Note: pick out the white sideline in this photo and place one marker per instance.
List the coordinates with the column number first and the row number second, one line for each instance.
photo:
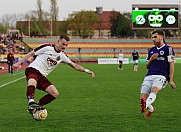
column 12, row 82
column 17, row 73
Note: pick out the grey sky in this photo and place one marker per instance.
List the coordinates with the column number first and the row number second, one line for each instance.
column 68, row 6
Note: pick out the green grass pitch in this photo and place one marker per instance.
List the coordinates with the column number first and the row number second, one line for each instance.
column 108, row 103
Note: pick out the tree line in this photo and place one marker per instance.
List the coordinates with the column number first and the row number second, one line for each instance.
column 82, row 23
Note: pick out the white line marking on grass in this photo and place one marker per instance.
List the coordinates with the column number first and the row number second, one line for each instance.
column 12, row 82
column 18, row 73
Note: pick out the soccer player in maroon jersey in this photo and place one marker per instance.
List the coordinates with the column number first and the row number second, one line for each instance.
column 48, row 57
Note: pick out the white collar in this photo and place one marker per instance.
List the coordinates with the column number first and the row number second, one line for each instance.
column 160, row 47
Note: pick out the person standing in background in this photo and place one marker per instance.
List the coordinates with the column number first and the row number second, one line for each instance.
column 10, row 60
column 135, row 56
column 120, row 59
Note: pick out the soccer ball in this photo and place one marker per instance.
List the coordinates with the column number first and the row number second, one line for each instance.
column 40, row 114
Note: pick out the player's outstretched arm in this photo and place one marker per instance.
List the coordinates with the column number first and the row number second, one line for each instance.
column 81, row 68
column 172, row 74
column 27, row 56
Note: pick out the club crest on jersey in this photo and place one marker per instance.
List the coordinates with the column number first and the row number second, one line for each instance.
column 51, row 61
column 161, row 52
column 58, row 58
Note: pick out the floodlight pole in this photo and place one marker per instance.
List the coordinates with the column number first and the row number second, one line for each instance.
column 51, row 26
column 135, row 36
column 29, row 25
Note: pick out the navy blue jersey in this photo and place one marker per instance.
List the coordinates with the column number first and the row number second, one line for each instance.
column 135, row 55
column 160, row 66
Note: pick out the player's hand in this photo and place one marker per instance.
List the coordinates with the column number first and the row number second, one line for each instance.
column 93, row 75
column 173, row 85
column 154, row 56
column 16, row 65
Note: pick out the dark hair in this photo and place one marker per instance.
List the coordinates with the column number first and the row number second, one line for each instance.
column 160, row 32
column 65, row 37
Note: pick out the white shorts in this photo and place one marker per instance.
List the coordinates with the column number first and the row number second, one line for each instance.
column 135, row 62
column 121, row 59
column 158, row 81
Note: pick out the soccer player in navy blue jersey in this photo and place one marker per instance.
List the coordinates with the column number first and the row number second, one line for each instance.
column 160, row 65
column 135, row 56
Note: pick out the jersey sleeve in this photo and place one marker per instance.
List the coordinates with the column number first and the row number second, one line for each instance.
column 148, row 56
column 171, row 54
column 40, row 49
column 66, row 59
column 171, row 51
column 137, row 54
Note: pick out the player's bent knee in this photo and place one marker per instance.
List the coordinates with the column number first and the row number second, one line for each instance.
column 32, row 82
column 55, row 94
column 53, row 91
column 143, row 96
column 155, row 90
